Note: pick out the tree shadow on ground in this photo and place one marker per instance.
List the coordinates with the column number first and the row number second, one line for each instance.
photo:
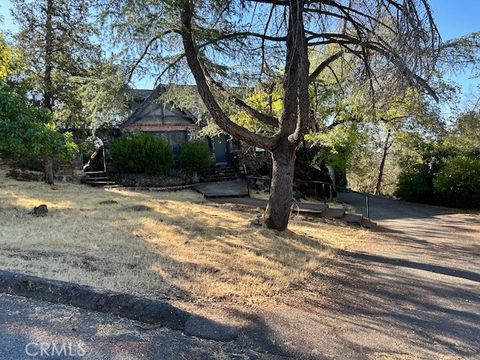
column 399, row 302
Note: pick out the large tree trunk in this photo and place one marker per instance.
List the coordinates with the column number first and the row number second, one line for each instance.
column 281, row 189
column 293, row 122
column 48, row 171
column 386, row 147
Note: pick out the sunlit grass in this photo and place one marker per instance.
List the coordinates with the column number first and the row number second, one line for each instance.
column 178, row 247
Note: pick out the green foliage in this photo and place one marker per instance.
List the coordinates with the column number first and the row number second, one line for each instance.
column 337, row 145
column 195, row 156
column 416, row 185
column 10, row 59
column 458, row 182
column 142, row 153
column 465, row 135
column 28, row 131
column 29, row 163
column 101, row 94
column 59, row 42
column 446, row 174
column 267, row 101
column 352, row 126
column 86, row 147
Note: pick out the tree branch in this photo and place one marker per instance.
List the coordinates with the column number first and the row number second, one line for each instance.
column 324, row 64
column 218, row 115
column 264, row 118
column 145, row 51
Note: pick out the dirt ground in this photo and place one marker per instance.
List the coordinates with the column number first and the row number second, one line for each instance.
column 169, row 245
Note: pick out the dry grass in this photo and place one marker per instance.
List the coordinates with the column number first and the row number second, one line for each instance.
column 169, row 245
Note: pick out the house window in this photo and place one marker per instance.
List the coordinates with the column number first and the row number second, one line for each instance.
column 174, row 138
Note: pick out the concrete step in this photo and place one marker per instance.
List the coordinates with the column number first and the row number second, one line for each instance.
column 353, row 219
column 221, row 179
column 116, row 186
column 334, row 213
column 222, row 175
column 95, row 173
column 100, row 183
column 316, row 210
column 223, row 170
column 218, row 189
column 216, row 176
column 97, row 178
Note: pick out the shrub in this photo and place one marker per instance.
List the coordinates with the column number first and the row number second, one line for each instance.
column 142, row 153
column 458, row 182
column 416, row 185
column 195, row 156
column 29, row 163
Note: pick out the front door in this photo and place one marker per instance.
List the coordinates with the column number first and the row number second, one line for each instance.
column 220, row 148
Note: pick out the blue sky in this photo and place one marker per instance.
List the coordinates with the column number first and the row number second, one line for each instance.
column 454, row 18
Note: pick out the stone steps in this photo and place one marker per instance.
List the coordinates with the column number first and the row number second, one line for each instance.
column 99, row 183
column 98, row 179
column 309, row 211
column 222, row 173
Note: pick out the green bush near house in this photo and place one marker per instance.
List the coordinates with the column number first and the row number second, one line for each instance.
column 195, row 157
column 29, row 163
column 142, row 154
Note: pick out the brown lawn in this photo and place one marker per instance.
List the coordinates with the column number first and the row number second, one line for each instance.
column 172, row 245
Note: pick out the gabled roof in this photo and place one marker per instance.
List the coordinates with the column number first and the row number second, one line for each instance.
column 139, row 94
column 147, row 97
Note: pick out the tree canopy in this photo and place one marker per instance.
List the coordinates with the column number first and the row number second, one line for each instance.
column 360, row 79
column 229, row 44
column 29, row 131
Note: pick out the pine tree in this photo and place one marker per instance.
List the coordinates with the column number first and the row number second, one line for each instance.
column 58, row 40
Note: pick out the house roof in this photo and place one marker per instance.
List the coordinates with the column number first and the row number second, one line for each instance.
column 147, row 97
column 140, row 94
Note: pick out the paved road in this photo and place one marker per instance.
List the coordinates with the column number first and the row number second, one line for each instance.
column 70, row 333
column 382, row 208
column 412, row 292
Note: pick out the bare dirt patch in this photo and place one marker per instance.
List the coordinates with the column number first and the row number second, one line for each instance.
column 157, row 244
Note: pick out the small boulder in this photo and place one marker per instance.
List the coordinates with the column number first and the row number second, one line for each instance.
column 40, row 210
column 108, row 202
column 257, row 222
column 139, row 208
column 368, row 224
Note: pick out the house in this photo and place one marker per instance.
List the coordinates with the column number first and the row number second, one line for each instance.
column 173, row 125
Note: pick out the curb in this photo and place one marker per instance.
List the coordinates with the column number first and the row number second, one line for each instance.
column 148, row 311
